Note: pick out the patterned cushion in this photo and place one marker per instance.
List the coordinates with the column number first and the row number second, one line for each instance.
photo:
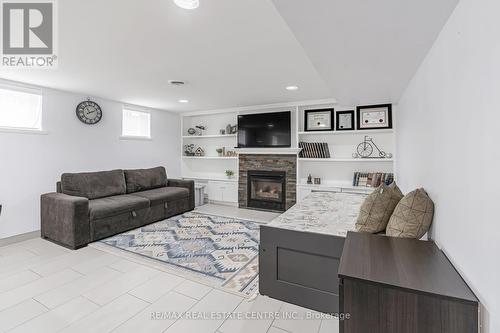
column 377, row 208
column 412, row 217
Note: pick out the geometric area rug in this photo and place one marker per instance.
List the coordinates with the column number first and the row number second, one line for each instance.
column 216, row 250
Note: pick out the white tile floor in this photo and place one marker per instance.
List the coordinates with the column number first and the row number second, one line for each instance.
column 47, row 288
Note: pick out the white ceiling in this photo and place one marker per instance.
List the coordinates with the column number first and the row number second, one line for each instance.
column 240, row 52
column 367, row 51
column 231, row 53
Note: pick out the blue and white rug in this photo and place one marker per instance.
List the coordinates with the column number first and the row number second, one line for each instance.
column 221, row 251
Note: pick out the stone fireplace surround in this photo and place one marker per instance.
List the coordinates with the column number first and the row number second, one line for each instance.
column 268, row 162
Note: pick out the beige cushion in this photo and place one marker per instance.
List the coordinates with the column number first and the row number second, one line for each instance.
column 377, row 208
column 412, row 217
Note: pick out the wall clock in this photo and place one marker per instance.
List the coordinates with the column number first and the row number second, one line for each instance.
column 89, row 112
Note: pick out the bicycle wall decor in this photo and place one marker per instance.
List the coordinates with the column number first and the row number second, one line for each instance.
column 368, row 149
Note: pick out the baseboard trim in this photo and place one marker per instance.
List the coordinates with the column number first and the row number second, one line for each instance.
column 223, row 203
column 19, row 238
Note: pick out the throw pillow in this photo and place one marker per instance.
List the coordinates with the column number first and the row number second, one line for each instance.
column 412, row 217
column 377, row 208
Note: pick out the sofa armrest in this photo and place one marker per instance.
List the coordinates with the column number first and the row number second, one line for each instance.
column 65, row 219
column 189, row 184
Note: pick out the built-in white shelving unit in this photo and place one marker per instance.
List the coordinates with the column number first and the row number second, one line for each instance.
column 336, row 173
column 210, row 157
column 209, row 136
column 353, row 160
column 368, row 132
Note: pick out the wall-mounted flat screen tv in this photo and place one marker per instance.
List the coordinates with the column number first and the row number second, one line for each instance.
column 264, row 130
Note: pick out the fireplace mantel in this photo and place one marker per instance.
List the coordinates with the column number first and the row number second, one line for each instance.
column 273, row 151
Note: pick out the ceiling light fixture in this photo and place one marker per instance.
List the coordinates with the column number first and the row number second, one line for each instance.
column 176, row 82
column 183, row 101
column 187, row 4
column 292, row 88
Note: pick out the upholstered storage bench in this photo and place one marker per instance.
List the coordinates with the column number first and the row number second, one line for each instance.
column 91, row 206
column 300, row 250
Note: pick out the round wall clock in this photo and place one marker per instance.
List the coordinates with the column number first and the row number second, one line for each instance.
column 89, row 112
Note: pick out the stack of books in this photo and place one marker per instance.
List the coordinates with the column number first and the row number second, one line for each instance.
column 372, row 179
column 314, row 150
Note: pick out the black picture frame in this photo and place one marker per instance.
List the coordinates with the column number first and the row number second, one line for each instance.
column 364, row 108
column 332, row 120
column 337, row 120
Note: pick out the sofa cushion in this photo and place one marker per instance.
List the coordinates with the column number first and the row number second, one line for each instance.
column 145, row 179
column 111, row 206
column 376, row 210
column 164, row 194
column 412, row 217
column 93, row 185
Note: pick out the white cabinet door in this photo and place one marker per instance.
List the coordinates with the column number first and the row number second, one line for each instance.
column 223, row 191
column 215, row 191
column 230, row 193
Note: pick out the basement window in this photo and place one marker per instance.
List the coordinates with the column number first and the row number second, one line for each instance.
column 136, row 124
column 20, row 108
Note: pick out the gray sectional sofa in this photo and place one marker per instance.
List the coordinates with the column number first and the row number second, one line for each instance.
column 94, row 205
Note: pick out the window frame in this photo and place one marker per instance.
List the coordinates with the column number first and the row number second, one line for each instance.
column 137, row 137
column 15, row 87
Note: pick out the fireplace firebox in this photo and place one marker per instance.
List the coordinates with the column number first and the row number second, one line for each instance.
column 266, row 190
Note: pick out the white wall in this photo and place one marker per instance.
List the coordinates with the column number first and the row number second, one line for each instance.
column 31, row 164
column 448, row 142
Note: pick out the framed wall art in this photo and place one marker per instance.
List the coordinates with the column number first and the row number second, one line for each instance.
column 374, row 116
column 344, row 120
column 318, row 120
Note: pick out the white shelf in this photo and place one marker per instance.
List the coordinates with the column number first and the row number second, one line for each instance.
column 352, row 160
column 219, row 179
column 286, row 151
column 375, row 131
column 209, row 158
column 209, row 136
column 333, row 185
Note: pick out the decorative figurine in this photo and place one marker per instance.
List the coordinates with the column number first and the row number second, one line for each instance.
column 199, row 152
column 365, row 149
column 200, row 129
column 309, row 179
column 189, row 150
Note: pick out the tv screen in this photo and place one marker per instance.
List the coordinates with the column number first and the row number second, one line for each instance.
column 264, row 130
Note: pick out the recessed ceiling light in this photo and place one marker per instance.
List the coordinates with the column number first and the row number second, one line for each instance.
column 183, row 101
column 187, row 4
column 292, row 88
column 176, row 82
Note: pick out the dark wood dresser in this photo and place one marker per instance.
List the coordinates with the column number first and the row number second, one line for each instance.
column 394, row 285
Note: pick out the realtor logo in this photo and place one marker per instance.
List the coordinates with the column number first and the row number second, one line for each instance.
column 28, row 34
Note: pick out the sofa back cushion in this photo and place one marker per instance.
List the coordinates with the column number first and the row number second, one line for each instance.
column 145, row 179
column 94, row 185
